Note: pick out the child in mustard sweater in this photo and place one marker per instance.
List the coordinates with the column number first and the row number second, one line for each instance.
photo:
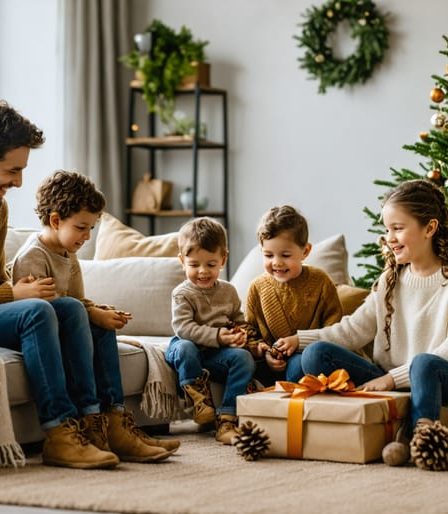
column 288, row 296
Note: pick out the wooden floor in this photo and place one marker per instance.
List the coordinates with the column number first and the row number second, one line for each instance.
column 11, row 509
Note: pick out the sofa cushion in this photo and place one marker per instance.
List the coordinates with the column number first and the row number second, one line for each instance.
column 139, row 285
column 116, row 240
column 16, row 237
column 329, row 255
column 351, row 297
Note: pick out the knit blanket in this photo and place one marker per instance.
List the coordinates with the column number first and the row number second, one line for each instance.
column 11, row 454
column 159, row 397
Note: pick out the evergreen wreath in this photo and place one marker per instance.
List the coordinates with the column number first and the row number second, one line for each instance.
column 366, row 24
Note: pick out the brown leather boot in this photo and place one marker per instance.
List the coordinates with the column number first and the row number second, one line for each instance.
column 95, row 429
column 125, row 439
column 168, row 444
column 67, row 446
column 200, row 396
column 226, row 428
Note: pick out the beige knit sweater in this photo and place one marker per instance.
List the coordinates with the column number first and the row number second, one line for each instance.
column 278, row 309
column 198, row 314
column 37, row 259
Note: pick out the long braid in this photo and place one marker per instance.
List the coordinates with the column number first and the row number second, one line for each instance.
column 425, row 202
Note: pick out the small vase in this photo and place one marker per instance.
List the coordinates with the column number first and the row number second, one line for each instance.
column 186, row 200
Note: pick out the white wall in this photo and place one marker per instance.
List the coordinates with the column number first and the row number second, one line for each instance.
column 29, row 82
column 288, row 144
column 291, row 145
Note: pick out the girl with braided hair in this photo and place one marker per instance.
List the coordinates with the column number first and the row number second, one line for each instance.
column 406, row 315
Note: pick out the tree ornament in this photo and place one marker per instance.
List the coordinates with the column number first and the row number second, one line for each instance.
column 446, row 183
column 424, row 136
column 429, row 447
column 438, row 120
column 251, row 441
column 437, row 95
column 395, row 453
column 134, row 127
column 367, row 25
column 434, row 175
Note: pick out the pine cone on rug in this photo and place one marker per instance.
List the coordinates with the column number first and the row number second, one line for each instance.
column 429, row 447
column 251, row 441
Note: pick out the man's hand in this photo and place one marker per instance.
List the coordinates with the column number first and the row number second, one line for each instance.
column 110, row 319
column 30, row 287
column 384, row 383
column 287, row 345
column 230, row 337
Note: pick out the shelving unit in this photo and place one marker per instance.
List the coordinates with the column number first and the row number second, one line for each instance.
column 153, row 143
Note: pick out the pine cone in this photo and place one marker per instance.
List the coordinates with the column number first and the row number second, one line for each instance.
column 429, row 447
column 251, row 441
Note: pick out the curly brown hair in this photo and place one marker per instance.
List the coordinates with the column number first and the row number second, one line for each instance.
column 202, row 233
column 281, row 219
column 67, row 192
column 16, row 131
column 424, row 201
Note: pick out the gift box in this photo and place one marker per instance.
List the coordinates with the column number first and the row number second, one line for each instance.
column 326, row 426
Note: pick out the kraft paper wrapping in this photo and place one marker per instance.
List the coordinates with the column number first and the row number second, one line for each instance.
column 335, row 428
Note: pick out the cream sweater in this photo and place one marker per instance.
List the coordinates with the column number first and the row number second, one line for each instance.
column 419, row 324
column 37, row 259
column 198, row 314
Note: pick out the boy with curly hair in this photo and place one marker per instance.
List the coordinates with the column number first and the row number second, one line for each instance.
column 69, row 205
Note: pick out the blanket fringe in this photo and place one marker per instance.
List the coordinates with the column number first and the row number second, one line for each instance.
column 157, row 403
column 12, row 456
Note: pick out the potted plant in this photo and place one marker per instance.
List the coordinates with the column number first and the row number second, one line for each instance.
column 173, row 57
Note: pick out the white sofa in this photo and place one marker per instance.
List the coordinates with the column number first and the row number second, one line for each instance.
column 115, row 272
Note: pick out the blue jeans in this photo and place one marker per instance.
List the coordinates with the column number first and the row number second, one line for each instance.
column 233, row 367
column 64, row 357
column 292, row 373
column 428, row 375
column 429, row 386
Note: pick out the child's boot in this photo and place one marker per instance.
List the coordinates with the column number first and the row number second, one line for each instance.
column 95, row 429
column 67, row 446
column 226, row 425
column 125, row 440
column 200, row 396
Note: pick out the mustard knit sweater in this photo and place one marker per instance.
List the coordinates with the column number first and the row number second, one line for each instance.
column 5, row 284
column 279, row 309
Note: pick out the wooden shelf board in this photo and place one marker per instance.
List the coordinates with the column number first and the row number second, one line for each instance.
column 170, row 142
column 176, row 213
column 137, row 84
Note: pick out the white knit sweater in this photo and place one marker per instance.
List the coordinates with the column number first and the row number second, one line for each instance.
column 419, row 324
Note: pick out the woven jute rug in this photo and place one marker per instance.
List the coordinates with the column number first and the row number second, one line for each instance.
column 208, row 478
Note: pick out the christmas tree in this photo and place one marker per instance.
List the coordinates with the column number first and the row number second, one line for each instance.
column 433, row 146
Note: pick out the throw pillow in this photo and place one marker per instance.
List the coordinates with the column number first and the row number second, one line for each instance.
column 351, row 297
column 329, row 255
column 139, row 285
column 115, row 240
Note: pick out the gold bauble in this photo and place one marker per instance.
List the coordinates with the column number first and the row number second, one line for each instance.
column 319, row 58
column 330, row 13
column 424, row 136
column 437, row 95
column 434, row 175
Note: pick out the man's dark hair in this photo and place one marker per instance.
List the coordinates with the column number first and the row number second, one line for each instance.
column 17, row 131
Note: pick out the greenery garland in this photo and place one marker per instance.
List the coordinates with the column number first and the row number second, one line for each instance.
column 366, row 24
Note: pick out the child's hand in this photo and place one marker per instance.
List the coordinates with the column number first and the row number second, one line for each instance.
column 275, row 364
column 260, row 350
column 230, row 337
column 384, row 383
column 30, row 287
column 287, row 345
column 110, row 319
